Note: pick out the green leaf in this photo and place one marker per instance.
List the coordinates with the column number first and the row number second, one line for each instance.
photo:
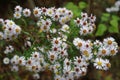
column 106, row 14
column 114, row 26
column 101, row 29
column 105, row 17
column 82, row 5
column 115, row 17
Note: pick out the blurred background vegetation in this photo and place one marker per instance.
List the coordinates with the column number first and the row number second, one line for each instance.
column 107, row 24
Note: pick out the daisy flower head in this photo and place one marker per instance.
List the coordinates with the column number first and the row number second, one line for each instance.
column 26, row 12
column 44, row 10
column 67, row 62
column 18, row 9
column 6, row 60
column 50, row 12
column 17, row 15
column 65, row 28
column 22, row 61
column 63, row 20
column 56, row 16
column 99, row 63
column 35, row 55
column 78, row 21
column 92, row 18
column 14, row 60
column 107, row 64
column 113, row 51
column 9, row 49
column 69, row 13
column 37, row 12
column 103, row 51
column 79, row 43
column 52, row 56
column 83, row 31
column 57, row 41
column 84, row 16
column 108, row 41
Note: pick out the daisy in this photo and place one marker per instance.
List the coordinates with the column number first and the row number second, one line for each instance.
column 22, row 61
column 108, row 41
column 37, row 12
column 57, row 41
column 65, row 28
column 107, row 64
column 52, row 56
column 99, row 63
column 18, row 9
column 26, row 12
column 113, row 51
column 6, row 60
column 103, row 51
column 17, row 15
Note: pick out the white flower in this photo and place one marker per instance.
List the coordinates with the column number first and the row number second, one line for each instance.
column 84, row 31
column 99, row 63
column 6, row 60
column 17, row 15
column 113, row 50
column 9, row 49
column 65, row 28
column 107, row 64
column 36, row 55
column 78, row 43
column 84, row 16
column 50, row 12
column 56, row 41
column 108, row 41
column 78, row 22
column 18, row 9
column 26, row 12
column 14, row 60
column 67, row 62
column 22, row 61
column 103, row 51
column 56, row 17
column 52, row 56
column 37, row 12
column 78, row 61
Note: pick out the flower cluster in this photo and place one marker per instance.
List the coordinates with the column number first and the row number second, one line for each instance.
column 56, row 52
column 95, row 51
column 86, row 24
column 10, row 30
column 114, row 8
